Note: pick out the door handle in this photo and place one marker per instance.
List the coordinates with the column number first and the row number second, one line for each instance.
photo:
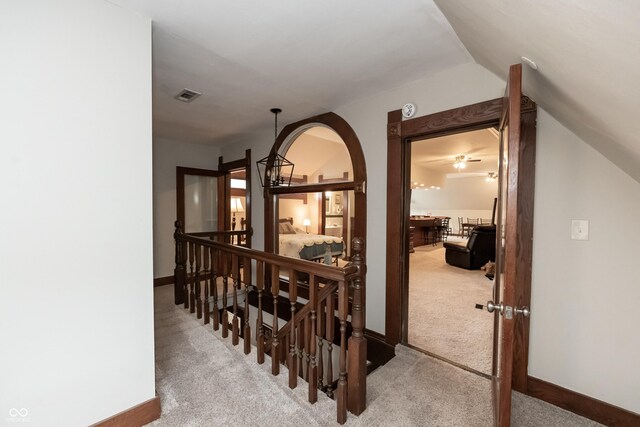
column 507, row 311
column 491, row 307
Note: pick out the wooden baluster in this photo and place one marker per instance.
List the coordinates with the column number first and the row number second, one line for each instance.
column 259, row 326
column 225, row 283
column 313, row 367
column 197, row 280
column 215, row 266
column 284, row 350
column 319, row 337
column 275, row 291
column 179, row 270
column 235, row 274
column 247, row 285
column 357, row 342
column 192, row 294
column 300, row 348
column 329, row 334
column 292, row 359
column 343, row 307
column 307, row 337
column 207, row 279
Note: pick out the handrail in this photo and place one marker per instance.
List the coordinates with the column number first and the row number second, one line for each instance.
column 210, row 272
column 219, row 233
column 322, row 270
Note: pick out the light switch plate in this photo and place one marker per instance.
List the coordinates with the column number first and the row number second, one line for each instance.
column 579, row 229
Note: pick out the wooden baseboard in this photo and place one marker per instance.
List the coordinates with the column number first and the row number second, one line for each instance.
column 161, row 281
column 580, row 404
column 137, row 416
column 378, row 350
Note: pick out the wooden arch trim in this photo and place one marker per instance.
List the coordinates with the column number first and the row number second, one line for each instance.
column 351, row 141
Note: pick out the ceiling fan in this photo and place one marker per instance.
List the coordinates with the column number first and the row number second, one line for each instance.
column 462, row 160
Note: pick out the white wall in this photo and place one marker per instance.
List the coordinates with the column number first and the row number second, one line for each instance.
column 585, row 294
column 466, row 197
column 76, row 313
column 166, row 156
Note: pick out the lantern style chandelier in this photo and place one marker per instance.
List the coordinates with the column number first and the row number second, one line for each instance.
column 279, row 171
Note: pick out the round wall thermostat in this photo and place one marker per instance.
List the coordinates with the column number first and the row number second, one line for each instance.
column 409, row 110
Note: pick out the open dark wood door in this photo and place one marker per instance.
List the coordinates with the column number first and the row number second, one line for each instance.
column 504, row 308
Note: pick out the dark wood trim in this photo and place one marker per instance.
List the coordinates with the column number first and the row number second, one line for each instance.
column 379, row 351
column 315, row 188
column 161, row 281
column 583, row 405
column 395, row 256
column 349, row 137
column 463, row 119
column 232, row 165
column 524, row 232
column 136, row 416
column 399, row 135
column 240, row 169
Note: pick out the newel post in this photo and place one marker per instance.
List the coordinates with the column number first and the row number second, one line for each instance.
column 357, row 346
column 179, row 270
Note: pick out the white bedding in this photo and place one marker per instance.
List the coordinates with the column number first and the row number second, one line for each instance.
column 292, row 244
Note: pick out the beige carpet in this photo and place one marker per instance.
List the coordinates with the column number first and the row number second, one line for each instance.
column 202, row 380
column 442, row 315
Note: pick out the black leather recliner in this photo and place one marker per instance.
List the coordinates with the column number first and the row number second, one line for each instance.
column 480, row 248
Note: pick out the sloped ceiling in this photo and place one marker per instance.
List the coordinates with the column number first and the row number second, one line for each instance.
column 588, row 57
column 306, row 57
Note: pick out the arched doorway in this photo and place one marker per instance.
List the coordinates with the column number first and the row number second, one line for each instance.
column 328, row 188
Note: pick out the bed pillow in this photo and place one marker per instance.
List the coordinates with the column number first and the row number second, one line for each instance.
column 286, row 228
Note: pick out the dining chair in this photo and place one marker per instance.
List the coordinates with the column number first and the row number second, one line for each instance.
column 443, row 229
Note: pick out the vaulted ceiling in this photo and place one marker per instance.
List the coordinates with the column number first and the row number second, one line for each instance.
column 588, row 57
column 309, row 57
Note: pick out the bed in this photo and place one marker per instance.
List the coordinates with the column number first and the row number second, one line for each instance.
column 296, row 243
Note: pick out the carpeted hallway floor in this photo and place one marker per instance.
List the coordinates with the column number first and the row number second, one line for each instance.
column 442, row 315
column 202, row 380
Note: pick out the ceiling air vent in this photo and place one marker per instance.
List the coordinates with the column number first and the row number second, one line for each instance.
column 187, row 95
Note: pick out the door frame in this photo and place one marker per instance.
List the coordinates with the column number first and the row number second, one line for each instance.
column 400, row 133
column 226, row 168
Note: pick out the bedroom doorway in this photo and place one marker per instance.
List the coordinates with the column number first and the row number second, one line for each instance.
column 236, row 193
column 452, row 226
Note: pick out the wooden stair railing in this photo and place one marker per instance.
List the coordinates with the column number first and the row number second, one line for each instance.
column 217, row 269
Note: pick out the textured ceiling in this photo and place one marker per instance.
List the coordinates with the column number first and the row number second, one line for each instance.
column 306, row 57
column 588, row 57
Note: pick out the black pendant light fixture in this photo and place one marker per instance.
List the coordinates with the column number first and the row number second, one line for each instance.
column 275, row 170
